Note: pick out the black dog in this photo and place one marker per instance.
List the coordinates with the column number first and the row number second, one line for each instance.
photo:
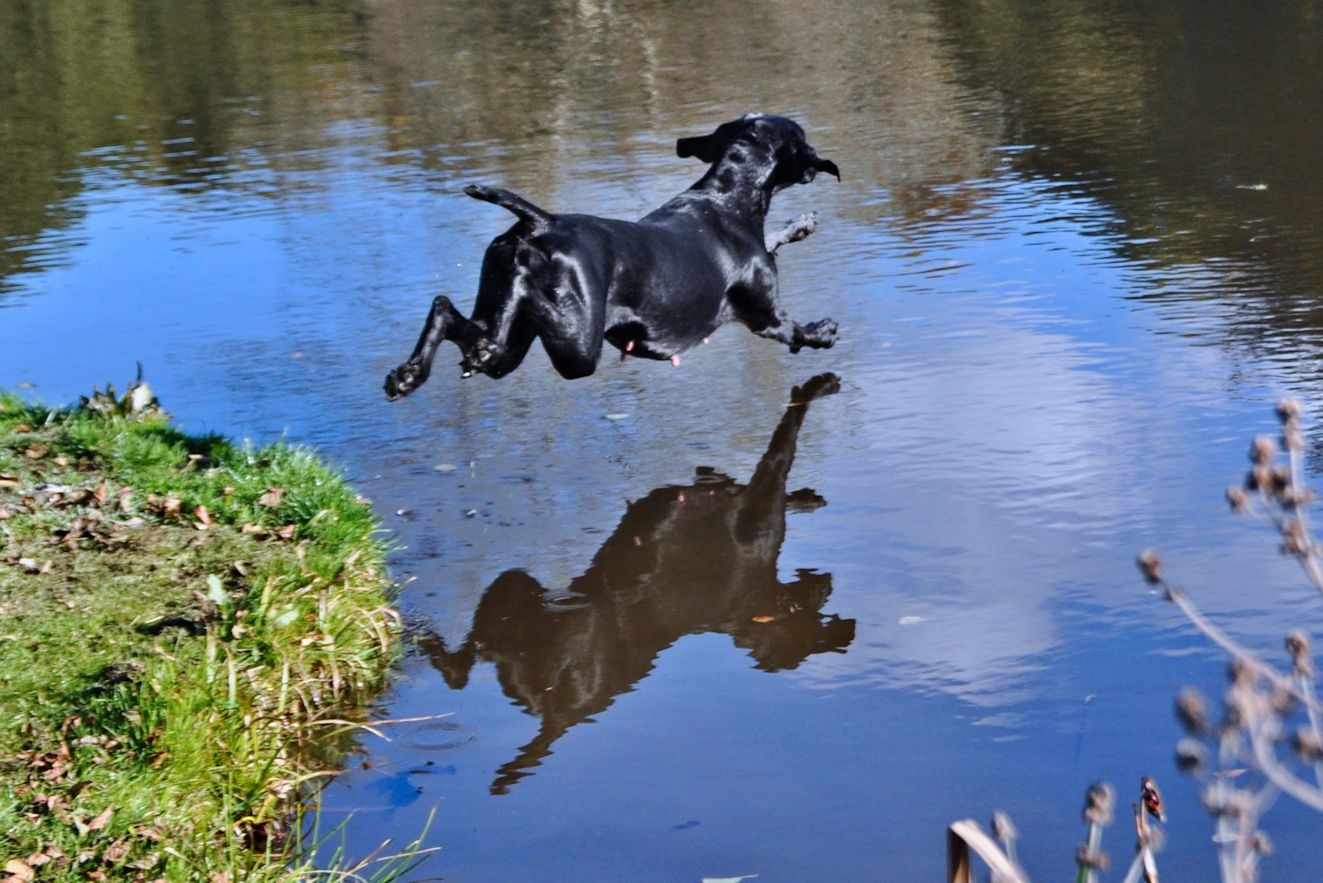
column 696, row 559
column 651, row 289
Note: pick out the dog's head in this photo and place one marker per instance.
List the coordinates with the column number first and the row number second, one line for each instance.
column 756, row 139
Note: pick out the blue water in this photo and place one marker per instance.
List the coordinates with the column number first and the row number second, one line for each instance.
column 1059, row 333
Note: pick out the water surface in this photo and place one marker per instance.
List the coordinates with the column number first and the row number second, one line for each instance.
column 683, row 622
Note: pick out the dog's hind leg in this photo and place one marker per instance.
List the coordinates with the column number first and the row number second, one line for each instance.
column 444, row 322
column 757, row 309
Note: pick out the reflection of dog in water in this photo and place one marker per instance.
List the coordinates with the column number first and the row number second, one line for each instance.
column 684, row 560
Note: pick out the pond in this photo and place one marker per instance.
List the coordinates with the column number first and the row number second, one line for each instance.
column 1075, row 255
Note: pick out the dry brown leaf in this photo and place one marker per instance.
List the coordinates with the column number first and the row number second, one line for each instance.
column 22, row 427
column 286, row 532
column 36, row 451
column 19, row 870
column 170, row 505
column 253, row 528
column 102, row 493
column 101, row 820
column 763, row 619
column 272, row 496
column 8, row 480
column 202, row 515
column 115, row 852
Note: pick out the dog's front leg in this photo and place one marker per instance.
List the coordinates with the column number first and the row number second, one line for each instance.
column 756, row 307
column 793, row 231
column 819, row 335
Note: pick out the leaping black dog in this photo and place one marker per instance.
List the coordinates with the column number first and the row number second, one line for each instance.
column 651, row 289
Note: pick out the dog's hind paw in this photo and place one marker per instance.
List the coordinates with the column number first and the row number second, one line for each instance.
column 404, row 380
column 478, row 356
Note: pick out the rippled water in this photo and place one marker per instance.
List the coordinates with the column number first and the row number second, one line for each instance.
column 1075, row 257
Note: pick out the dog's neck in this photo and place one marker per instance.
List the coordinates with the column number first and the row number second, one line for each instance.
column 744, row 179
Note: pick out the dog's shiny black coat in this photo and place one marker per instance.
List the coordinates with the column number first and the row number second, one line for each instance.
column 651, row 289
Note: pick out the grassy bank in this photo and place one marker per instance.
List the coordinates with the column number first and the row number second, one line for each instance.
column 185, row 625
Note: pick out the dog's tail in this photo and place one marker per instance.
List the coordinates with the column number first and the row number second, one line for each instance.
column 538, row 219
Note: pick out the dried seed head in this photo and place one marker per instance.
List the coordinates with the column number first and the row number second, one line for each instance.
column 1263, row 449
column 1151, row 797
column 1259, row 478
column 1283, row 701
column 1190, row 756
column 1098, row 803
column 1281, row 478
column 1237, row 498
column 1151, row 566
column 1192, row 711
column 1240, row 672
column 1244, row 706
column 1295, row 539
column 1307, row 743
column 1297, row 644
column 1288, row 409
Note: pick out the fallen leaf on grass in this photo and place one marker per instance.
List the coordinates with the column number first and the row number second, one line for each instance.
column 272, row 497
column 19, row 870
column 203, row 518
column 115, row 852
column 101, row 820
column 36, row 452
column 287, row 532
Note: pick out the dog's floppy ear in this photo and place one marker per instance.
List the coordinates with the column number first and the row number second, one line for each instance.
column 826, row 165
column 703, row 147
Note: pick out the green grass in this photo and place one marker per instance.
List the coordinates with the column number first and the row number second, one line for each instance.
column 187, row 629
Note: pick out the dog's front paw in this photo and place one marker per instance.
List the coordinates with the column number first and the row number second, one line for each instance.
column 404, row 380
column 820, row 335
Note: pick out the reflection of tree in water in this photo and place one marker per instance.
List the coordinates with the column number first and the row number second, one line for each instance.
column 1194, row 123
column 683, row 560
